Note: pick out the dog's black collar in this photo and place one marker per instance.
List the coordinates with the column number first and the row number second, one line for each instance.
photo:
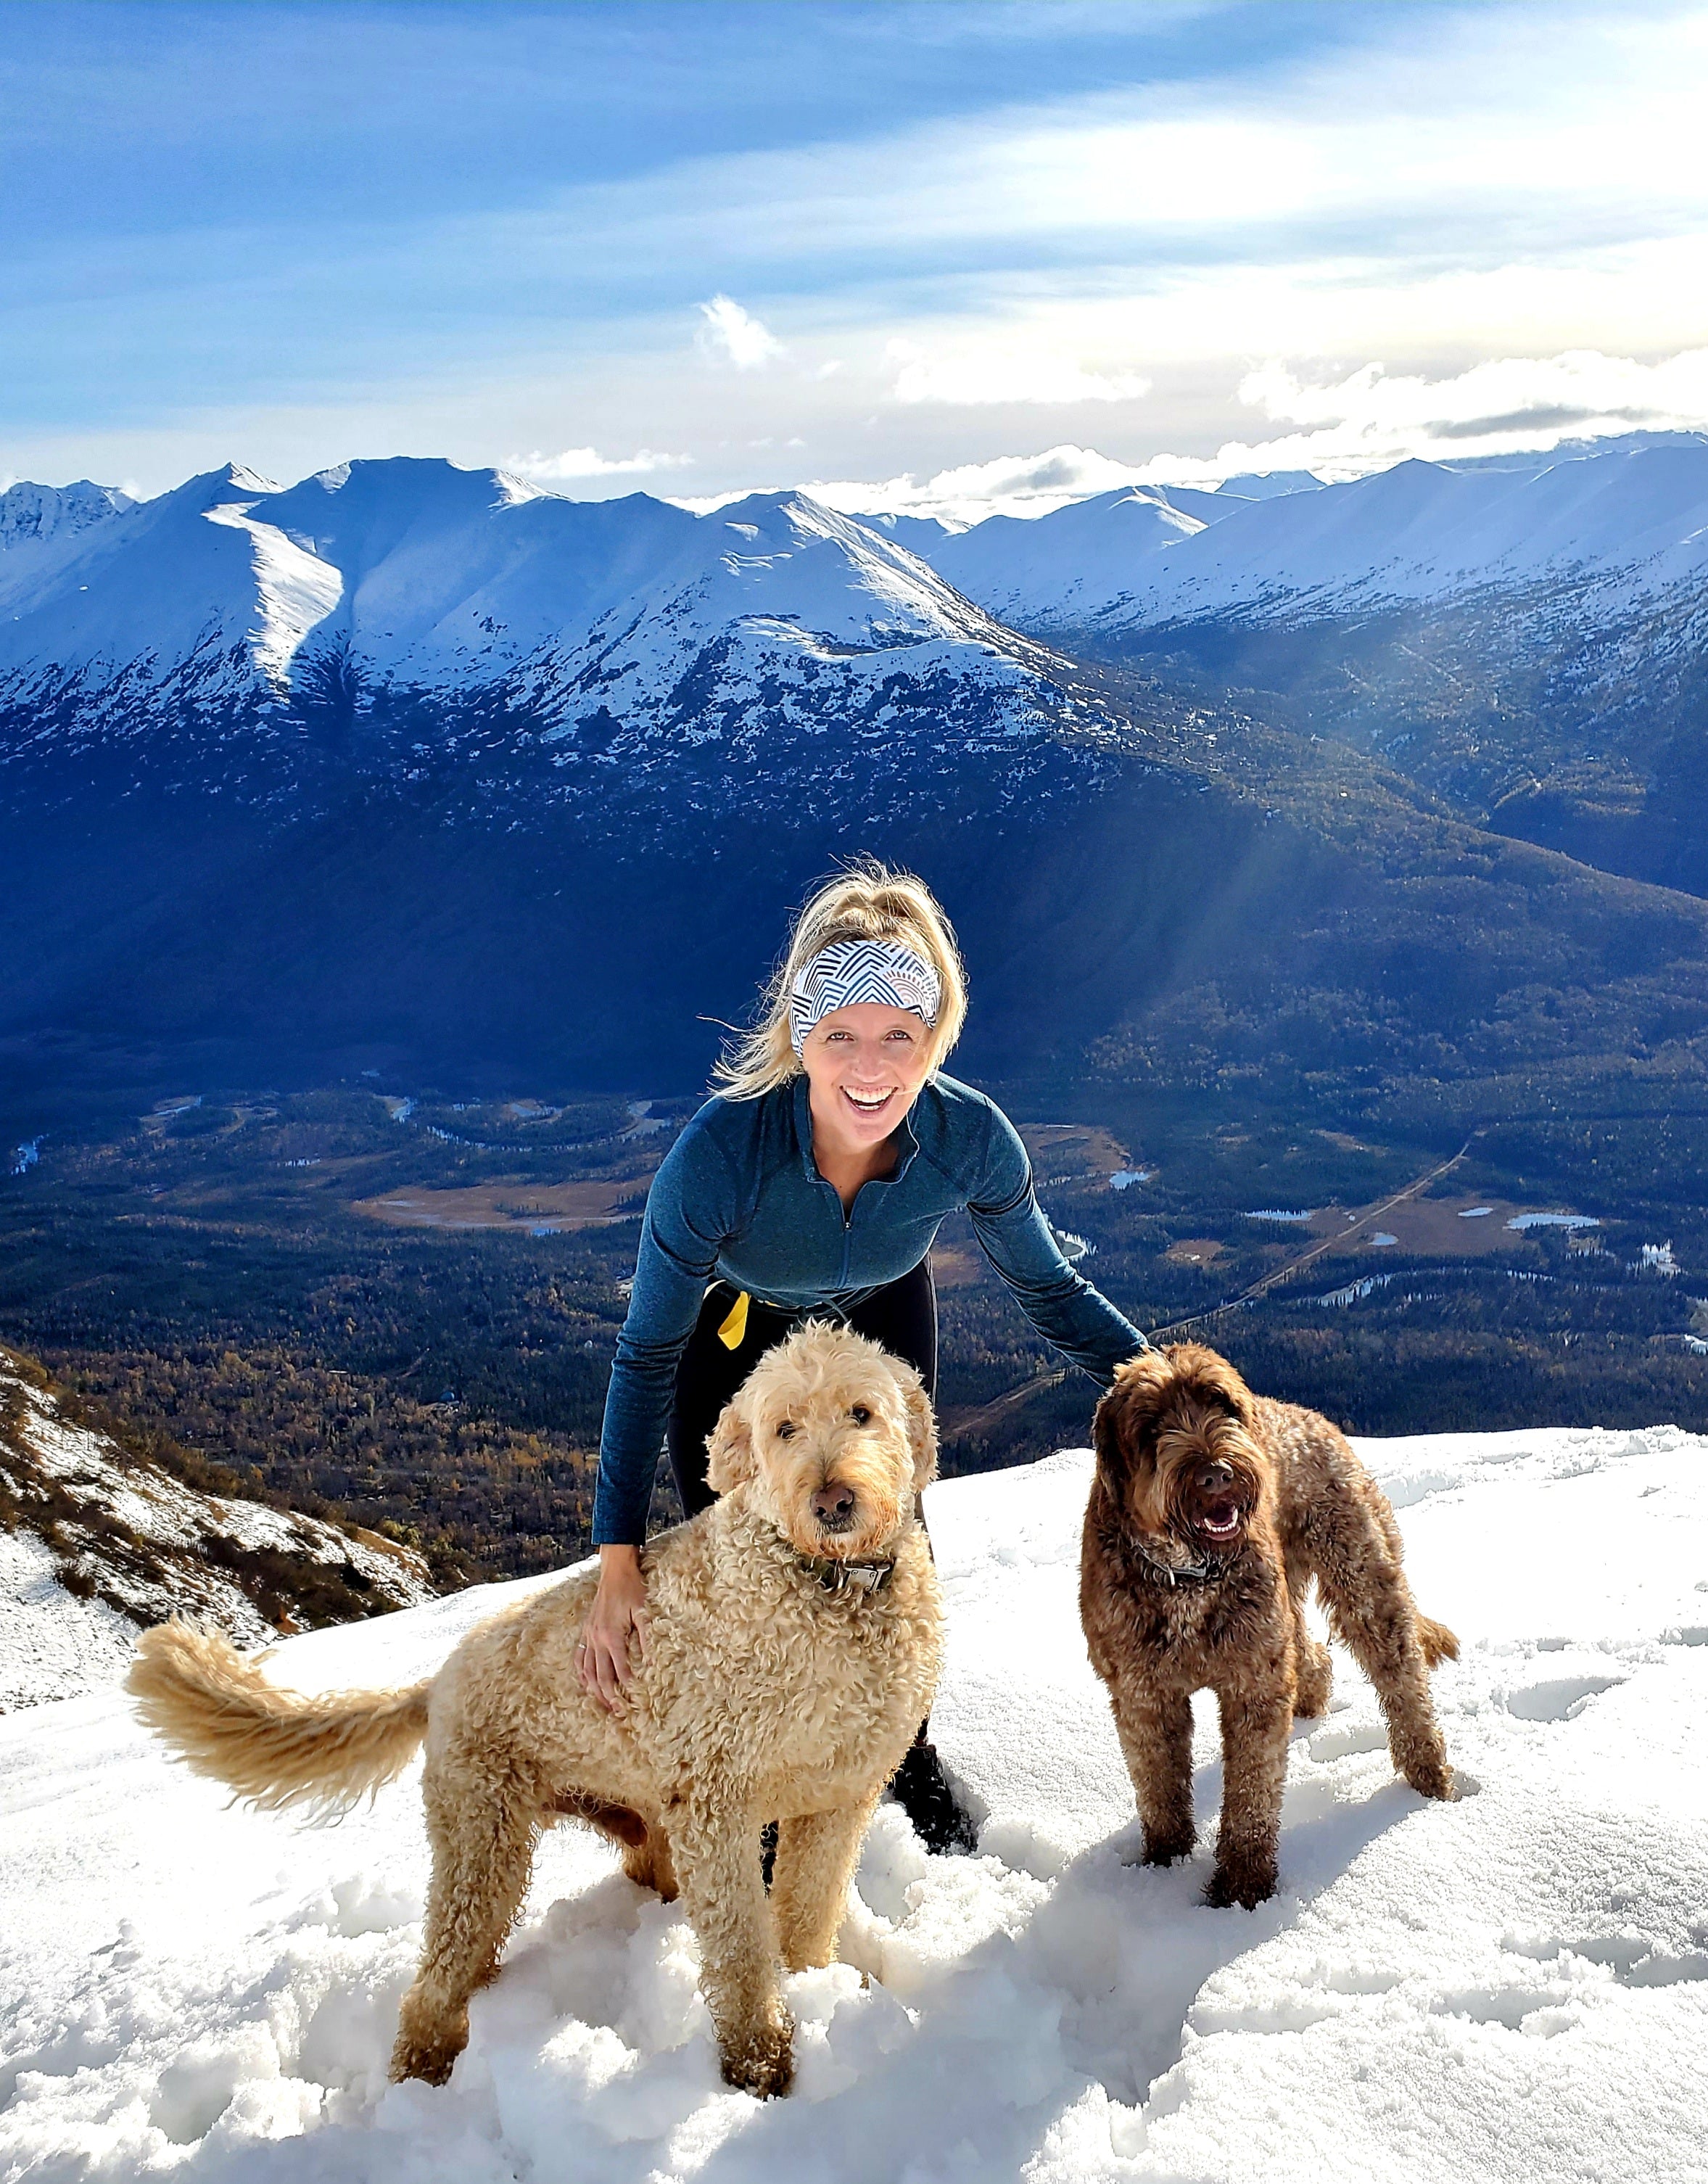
column 1173, row 1574
column 838, row 1576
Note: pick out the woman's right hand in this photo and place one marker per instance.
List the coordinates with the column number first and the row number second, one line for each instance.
column 617, row 1616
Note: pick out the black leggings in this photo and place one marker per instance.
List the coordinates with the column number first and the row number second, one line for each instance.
column 902, row 1316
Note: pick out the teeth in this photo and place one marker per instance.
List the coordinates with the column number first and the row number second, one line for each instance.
column 867, row 1100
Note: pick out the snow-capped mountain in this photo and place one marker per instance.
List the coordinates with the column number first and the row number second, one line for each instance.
column 36, row 514
column 427, row 756
column 247, row 614
column 1504, row 1989
column 1614, row 529
column 98, row 1543
column 1067, row 570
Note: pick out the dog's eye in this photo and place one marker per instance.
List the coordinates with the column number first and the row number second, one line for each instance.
column 861, row 1415
column 785, row 1431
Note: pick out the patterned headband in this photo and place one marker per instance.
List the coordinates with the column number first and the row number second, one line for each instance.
column 852, row 972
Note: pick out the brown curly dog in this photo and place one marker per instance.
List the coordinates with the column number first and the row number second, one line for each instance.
column 796, row 1632
column 1211, row 1510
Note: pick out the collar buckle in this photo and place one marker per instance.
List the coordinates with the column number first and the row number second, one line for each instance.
column 838, row 1576
column 1177, row 1573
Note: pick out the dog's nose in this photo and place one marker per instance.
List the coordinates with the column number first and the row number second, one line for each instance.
column 834, row 1504
column 1214, row 1477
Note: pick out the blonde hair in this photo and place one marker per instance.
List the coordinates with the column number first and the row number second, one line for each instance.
column 867, row 902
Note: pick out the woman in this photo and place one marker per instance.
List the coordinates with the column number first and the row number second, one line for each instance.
column 813, row 1184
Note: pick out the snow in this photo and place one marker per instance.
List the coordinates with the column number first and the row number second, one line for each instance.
column 139, row 1544
column 422, row 575
column 1073, row 566
column 1631, row 523
column 1511, row 1987
column 32, row 516
column 418, row 574
column 52, row 1643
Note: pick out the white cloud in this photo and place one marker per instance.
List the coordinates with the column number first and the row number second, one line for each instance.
column 589, row 462
column 983, row 372
column 1368, row 419
column 1360, row 422
column 1008, row 485
column 727, row 331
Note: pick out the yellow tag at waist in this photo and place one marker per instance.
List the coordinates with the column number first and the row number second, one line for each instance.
column 734, row 1329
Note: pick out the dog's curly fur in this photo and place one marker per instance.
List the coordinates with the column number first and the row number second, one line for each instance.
column 762, row 1695
column 1211, row 1510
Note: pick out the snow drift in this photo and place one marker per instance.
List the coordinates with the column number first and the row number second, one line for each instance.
column 1512, row 1987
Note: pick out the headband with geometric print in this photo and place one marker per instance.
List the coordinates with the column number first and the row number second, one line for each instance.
column 852, row 972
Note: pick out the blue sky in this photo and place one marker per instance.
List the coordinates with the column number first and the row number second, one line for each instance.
column 956, row 254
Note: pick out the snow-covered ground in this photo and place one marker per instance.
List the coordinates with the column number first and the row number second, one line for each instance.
column 138, row 1545
column 1514, row 1987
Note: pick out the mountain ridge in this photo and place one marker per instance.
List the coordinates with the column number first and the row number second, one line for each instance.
column 99, row 1542
column 511, row 755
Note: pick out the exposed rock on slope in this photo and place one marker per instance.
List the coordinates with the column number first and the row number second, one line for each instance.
column 96, row 1544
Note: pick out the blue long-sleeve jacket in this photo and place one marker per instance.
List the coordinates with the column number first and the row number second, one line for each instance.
column 738, row 1196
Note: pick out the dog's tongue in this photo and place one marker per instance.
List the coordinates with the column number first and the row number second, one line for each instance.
column 1222, row 1522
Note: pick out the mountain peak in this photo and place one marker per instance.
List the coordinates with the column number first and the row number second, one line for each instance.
column 32, row 514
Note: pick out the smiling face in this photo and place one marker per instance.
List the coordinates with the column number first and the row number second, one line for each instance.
column 865, row 1066
column 1175, row 1449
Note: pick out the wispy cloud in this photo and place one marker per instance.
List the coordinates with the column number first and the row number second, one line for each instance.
column 1368, row 418
column 589, row 463
column 984, row 373
column 727, row 331
column 1360, row 422
column 1490, row 189
column 1007, row 484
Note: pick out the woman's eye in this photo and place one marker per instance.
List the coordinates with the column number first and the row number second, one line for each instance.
column 785, row 1431
column 861, row 1415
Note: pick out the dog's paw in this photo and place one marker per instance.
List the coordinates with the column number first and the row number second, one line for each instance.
column 1433, row 1778
column 428, row 2043
column 762, row 2062
column 430, row 2061
column 1164, row 1849
column 1247, row 1884
column 1314, row 1688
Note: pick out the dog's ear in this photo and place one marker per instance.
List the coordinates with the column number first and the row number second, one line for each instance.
column 730, row 1451
column 1105, row 1433
column 1120, row 1415
column 921, row 1427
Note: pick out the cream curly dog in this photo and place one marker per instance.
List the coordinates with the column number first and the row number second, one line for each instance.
column 796, row 1633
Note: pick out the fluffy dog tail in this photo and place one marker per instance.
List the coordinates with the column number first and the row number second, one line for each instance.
column 222, row 1718
column 1438, row 1641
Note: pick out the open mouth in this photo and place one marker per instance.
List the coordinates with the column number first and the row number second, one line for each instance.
column 1219, row 1524
column 868, row 1103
